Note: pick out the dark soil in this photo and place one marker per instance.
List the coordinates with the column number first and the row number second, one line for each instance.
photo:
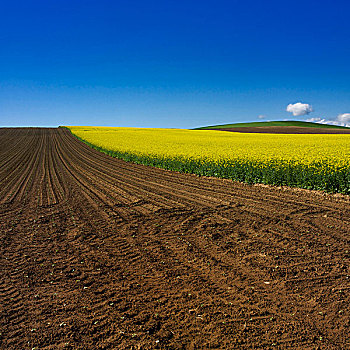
column 97, row 253
column 286, row 130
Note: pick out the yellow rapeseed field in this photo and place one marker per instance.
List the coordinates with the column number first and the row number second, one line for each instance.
column 304, row 160
column 220, row 145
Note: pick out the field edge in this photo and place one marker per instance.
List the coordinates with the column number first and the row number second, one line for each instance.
column 284, row 174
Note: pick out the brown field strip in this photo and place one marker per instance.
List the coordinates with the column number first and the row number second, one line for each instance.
column 98, row 253
column 286, row 130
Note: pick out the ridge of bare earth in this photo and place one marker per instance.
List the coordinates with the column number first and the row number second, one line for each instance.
column 286, row 130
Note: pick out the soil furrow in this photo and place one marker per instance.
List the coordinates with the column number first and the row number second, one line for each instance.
column 98, row 253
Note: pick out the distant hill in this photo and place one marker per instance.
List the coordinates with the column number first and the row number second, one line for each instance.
column 272, row 124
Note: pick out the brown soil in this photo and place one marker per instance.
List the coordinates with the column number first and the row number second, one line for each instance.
column 286, row 130
column 97, row 253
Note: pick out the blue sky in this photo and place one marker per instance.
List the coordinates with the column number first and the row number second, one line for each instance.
column 171, row 63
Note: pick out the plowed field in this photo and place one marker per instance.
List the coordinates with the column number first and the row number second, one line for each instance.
column 97, row 253
column 286, row 130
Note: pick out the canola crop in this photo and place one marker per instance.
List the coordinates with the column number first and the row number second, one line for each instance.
column 313, row 161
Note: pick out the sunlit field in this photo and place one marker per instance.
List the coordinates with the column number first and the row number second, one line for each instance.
column 310, row 161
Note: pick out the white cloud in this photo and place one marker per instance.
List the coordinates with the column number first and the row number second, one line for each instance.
column 344, row 118
column 315, row 120
column 261, row 116
column 298, row 109
column 340, row 120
